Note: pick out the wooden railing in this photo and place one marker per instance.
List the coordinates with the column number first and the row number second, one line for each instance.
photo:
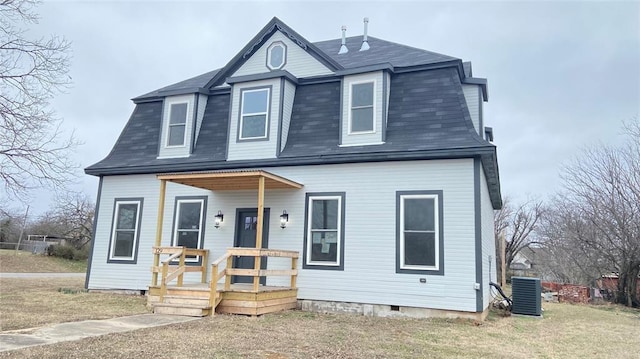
column 169, row 271
column 228, row 271
column 214, row 295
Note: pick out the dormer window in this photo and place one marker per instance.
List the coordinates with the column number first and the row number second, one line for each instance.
column 254, row 114
column 276, row 55
column 362, row 119
column 177, row 125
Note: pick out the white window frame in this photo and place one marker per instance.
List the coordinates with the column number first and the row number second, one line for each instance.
column 436, row 238
column 169, row 124
column 200, row 230
column 266, row 113
column 310, row 231
column 284, row 55
column 373, row 107
column 114, row 230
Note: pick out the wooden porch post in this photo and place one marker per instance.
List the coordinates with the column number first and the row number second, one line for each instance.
column 259, row 229
column 156, row 256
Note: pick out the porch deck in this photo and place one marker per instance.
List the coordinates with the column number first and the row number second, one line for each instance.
column 203, row 299
column 239, row 299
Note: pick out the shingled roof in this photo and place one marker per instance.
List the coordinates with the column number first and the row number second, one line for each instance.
column 427, row 118
column 380, row 52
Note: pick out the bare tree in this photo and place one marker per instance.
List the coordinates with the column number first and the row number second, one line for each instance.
column 71, row 218
column 517, row 225
column 598, row 215
column 565, row 257
column 33, row 148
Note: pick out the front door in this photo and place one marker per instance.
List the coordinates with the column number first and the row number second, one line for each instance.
column 246, row 228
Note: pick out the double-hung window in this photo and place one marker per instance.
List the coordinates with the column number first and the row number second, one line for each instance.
column 177, row 125
column 188, row 224
column 254, row 114
column 420, row 232
column 324, row 236
column 125, row 230
column 362, row 113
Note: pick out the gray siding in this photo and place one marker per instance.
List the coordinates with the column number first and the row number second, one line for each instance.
column 180, row 151
column 299, row 63
column 472, row 95
column 289, row 96
column 488, row 240
column 369, row 274
column 254, row 149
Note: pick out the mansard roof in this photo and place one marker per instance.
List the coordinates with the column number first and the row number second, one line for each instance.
column 427, row 116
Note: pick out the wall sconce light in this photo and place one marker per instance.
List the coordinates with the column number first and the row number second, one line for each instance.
column 284, row 219
column 218, row 218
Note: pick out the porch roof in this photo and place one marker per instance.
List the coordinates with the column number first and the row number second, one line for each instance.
column 230, row 180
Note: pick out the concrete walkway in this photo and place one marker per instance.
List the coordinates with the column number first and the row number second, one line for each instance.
column 18, row 339
column 42, row 275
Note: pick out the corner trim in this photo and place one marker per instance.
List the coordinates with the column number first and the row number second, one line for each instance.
column 93, row 236
column 478, row 234
column 280, row 118
column 194, row 127
column 229, row 121
column 341, row 111
column 385, row 94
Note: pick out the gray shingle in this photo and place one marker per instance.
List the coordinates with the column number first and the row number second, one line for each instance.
column 193, row 83
column 380, row 52
column 427, row 111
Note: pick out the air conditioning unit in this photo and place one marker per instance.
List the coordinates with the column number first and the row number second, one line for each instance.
column 526, row 293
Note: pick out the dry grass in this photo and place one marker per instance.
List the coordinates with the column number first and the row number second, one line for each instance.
column 27, row 303
column 566, row 331
column 25, row 262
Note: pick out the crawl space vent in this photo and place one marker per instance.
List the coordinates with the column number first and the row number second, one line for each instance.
column 526, row 296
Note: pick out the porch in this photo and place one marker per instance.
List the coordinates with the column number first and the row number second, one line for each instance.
column 217, row 289
column 173, row 296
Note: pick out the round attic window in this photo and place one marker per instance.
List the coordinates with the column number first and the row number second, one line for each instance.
column 276, row 56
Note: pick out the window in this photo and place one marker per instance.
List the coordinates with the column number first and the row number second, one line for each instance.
column 254, row 114
column 324, row 235
column 276, row 56
column 188, row 223
column 125, row 230
column 362, row 114
column 177, row 124
column 419, row 223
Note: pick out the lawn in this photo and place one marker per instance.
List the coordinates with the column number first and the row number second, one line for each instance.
column 27, row 303
column 25, row 262
column 566, row 331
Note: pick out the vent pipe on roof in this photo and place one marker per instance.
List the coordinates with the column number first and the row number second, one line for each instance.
column 365, row 44
column 343, row 48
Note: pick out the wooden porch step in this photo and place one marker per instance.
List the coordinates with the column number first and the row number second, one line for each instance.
column 201, row 292
column 182, row 309
column 186, row 300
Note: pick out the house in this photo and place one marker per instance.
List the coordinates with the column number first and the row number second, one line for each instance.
column 353, row 174
column 524, row 259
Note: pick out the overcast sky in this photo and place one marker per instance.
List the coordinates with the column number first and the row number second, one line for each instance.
column 562, row 75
